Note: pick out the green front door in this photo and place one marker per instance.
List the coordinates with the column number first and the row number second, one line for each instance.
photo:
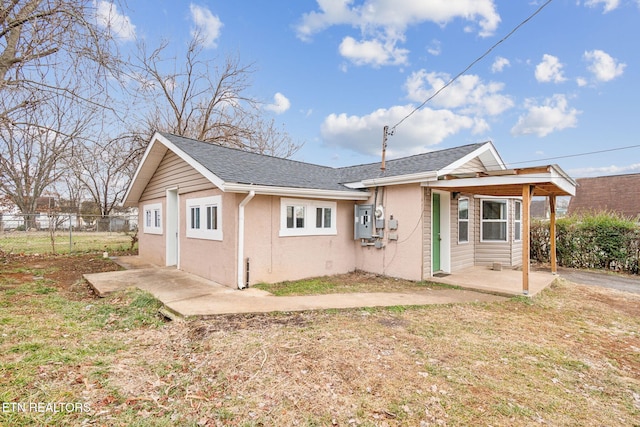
column 435, row 235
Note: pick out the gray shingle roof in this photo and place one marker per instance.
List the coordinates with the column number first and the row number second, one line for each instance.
column 244, row 167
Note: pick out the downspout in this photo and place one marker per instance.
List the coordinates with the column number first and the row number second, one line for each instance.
column 240, row 258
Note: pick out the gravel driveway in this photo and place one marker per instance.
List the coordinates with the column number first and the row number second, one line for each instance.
column 607, row 280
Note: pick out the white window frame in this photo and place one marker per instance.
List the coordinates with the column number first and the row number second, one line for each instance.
column 197, row 227
column 310, row 209
column 152, row 218
column 517, row 221
column 504, row 220
column 463, row 220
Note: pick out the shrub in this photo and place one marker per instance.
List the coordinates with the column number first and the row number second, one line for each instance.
column 602, row 240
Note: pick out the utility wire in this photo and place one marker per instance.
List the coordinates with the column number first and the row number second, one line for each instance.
column 578, row 155
column 393, row 128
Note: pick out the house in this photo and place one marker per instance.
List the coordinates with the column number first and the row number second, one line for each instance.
column 240, row 218
column 607, row 193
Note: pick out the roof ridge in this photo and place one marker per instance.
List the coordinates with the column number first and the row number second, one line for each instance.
column 245, row 151
column 416, row 155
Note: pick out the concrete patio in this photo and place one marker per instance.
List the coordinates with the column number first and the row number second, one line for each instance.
column 184, row 294
column 505, row 282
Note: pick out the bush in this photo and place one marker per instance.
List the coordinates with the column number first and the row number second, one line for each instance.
column 602, row 240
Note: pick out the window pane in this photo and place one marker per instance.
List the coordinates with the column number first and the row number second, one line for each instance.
column 195, row 218
column 518, row 211
column 463, row 231
column 327, row 217
column 494, row 210
column 299, row 216
column 156, row 214
column 148, row 218
column 516, row 231
column 289, row 216
column 212, row 217
column 463, row 209
column 319, row 217
column 494, row 230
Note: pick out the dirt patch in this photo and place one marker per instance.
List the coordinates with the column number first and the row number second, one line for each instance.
column 63, row 270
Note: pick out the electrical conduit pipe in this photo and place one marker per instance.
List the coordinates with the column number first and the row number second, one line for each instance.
column 240, row 259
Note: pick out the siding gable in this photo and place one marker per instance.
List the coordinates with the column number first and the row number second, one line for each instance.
column 174, row 172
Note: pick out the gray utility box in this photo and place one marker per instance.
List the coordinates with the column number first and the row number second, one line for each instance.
column 363, row 222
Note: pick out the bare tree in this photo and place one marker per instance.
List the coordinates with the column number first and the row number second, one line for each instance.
column 204, row 100
column 60, row 38
column 105, row 169
column 33, row 143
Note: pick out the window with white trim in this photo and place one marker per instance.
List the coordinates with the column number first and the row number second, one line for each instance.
column 307, row 217
column 463, row 220
column 152, row 218
column 517, row 221
column 493, row 221
column 204, row 218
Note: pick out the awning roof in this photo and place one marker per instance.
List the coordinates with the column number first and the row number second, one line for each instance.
column 549, row 180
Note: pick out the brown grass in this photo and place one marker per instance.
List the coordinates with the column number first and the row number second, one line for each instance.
column 570, row 356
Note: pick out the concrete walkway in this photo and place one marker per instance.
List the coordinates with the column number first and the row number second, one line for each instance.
column 187, row 295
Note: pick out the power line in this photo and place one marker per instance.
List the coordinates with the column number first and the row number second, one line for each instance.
column 578, row 155
column 393, row 128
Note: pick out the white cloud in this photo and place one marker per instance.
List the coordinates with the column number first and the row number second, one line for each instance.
column 373, row 52
column 603, row 66
column 549, row 70
column 280, row 104
column 426, row 128
column 609, row 5
column 499, row 64
column 581, row 81
column 108, row 16
column 604, row 170
column 207, row 25
column 382, row 23
column 435, row 48
column 468, row 93
column 553, row 115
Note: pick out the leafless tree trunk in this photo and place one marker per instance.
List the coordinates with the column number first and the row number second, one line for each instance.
column 201, row 99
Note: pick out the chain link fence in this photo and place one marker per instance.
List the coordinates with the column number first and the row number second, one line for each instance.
column 67, row 233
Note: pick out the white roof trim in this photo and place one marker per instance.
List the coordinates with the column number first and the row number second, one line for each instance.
column 151, row 159
column 555, row 176
column 487, row 154
column 297, row 192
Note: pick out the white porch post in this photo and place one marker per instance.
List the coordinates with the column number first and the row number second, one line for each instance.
column 552, row 234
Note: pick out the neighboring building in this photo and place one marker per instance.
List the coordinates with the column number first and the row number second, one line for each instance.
column 240, row 218
column 607, row 193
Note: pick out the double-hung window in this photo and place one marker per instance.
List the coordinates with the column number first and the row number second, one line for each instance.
column 152, row 218
column 300, row 217
column 204, row 218
column 493, row 224
column 463, row 220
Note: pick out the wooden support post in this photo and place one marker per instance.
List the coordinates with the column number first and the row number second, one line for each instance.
column 527, row 192
column 552, row 233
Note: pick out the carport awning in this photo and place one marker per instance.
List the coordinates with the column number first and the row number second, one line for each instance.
column 548, row 180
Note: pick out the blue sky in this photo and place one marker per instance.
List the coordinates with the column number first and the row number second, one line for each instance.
column 334, row 72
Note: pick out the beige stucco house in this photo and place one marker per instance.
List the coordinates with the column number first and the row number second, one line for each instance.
column 241, row 218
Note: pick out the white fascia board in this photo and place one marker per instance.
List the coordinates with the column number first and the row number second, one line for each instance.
column 554, row 177
column 399, row 179
column 487, row 150
column 152, row 157
column 297, row 192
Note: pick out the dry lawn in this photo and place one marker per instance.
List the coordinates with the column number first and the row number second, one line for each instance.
column 570, row 356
